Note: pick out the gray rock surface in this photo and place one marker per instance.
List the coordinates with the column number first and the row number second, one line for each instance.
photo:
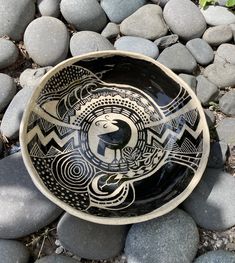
column 221, row 74
column 23, row 209
column 89, row 240
column 8, row 53
column 49, row 7
column 118, row 10
column 184, row 19
column 201, row 50
column 190, row 80
column 56, row 259
column 54, row 47
column 1, row 146
column 178, row 58
column 88, row 41
column 210, row 117
column 111, row 30
column 7, row 90
column 206, row 91
column 166, row 41
column 137, row 44
column 218, row 35
column 218, row 155
column 227, row 103
column 212, row 202
column 219, row 256
column 218, row 15
column 13, row 252
column 171, row 238
column 15, row 16
column 225, row 130
column 146, row 22
column 84, row 14
column 225, row 53
column 12, row 117
column 30, row 78
column 162, row 3
column 232, row 26
column 222, row 2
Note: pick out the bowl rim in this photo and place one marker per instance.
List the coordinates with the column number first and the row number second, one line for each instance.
column 114, row 220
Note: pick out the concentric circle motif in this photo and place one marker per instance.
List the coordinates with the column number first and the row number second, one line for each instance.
column 112, row 148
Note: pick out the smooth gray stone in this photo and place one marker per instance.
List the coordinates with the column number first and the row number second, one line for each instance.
column 88, row 41
column 225, row 53
column 7, row 90
column 206, row 91
column 201, row 50
column 30, row 78
column 218, row 256
column 23, row 209
column 84, row 14
column 218, row 15
column 225, row 130
column 162, row 3
column 13, row 252
column 227, row 103
column 218, row 35
column 46, row 49
column 111, row 30
column 12, row 117
column 210, row 117
column 166, row 41
column 178, row 58
column 221, row 74
column 232, row 26
column 138, row 45
column 170, row 238
column 89, row 240
column 212, row 202
column 218, row 155
column 118, row 10
column 8, row 53
column 222, row 2
column 56, row 259
column 184, row 19
column 49, row 7
column 15, row 16
column 146, row 22
column 190, row 80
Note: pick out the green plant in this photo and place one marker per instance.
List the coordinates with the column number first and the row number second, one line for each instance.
column 204, row 3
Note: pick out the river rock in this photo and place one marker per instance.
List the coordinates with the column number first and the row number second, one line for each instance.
column 218, row 35
column 88, row 41
column 227, row 103
column 8, row 53
column 190, row 80
column 221, row 74
column 111, row 30
column 15, row 16
column 23, row 209
column 218, row 256
column 225, row 130
column 84, row 14
column 118, row 10
column 212, row 202
column 49, row 7
column 56, row 259
column 178, row 58
column 7, row 90
column 201, row 50
column 218, row 155
column 89, row 240
column 225, row 53
column 210, row 117
column 54, row 47
column 218, row 15
column 13, row 252
column 184, row 19
column 232, row 26
column 166, row 41
column 137, row 44
column 162, row 3
column 170, row 238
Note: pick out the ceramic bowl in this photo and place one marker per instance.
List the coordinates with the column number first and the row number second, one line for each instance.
column 114, row 138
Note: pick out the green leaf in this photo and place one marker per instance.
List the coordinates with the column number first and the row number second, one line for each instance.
column 230, row 3
column 204, row 3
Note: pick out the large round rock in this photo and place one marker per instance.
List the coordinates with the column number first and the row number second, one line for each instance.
column 84, row 14
column 89, row 240
column 184, row 19
column 8, row 53
column 46, row 39
column 219, row 256
column 15, row 16
column 88, row 41
column 171, row 238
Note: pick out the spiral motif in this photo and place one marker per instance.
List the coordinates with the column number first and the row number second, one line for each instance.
column 71, row 171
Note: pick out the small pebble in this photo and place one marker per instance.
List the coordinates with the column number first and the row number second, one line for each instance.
column 166, row 41
column 49, row 7
column 111, row 30
column 227, row 103
column 218, row 35
column 190, row 80
column 210, row 117
column 8, row 53
column 56, row 259
column 225, row 130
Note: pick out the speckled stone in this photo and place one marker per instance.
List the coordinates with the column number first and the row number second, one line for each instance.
column 225, row 130
column 49, row 7
column 8, row 53
column 218, row 256
column 56, row 259
column 218, row 35
column 225, row 53
column 54, row 47
column 111, row 30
